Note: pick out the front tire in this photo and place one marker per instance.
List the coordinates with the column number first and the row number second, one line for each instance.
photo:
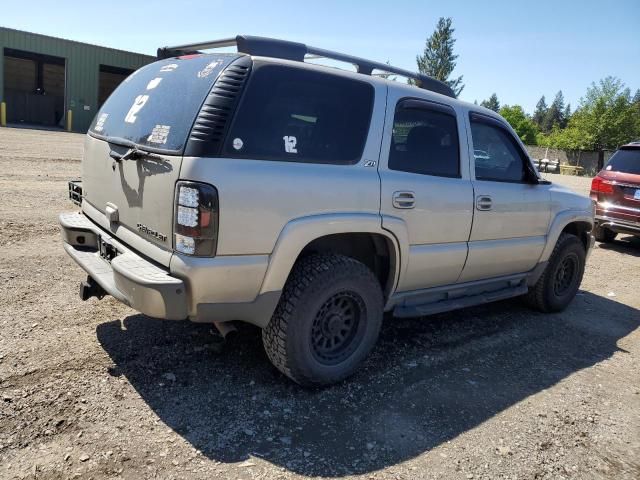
column 327, row 321
column 561, row 279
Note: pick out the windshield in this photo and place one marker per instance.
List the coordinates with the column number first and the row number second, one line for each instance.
column 155, row 106
column 625, row 161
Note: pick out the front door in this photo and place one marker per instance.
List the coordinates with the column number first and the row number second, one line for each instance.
column 511, row 210
column 425, row 183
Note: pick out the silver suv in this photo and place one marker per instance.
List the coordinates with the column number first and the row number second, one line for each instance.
column 306, row 200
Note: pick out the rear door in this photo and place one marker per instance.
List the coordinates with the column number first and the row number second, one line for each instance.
column 425, row 182
column 154, row 110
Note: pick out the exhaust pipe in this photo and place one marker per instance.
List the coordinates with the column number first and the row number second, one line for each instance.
column 226, row 329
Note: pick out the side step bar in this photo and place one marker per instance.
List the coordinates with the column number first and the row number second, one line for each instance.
column 406, row 311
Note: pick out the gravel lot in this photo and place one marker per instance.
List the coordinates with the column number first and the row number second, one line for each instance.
column 94, row 390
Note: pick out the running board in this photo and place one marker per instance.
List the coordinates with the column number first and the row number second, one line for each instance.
column 405, row 311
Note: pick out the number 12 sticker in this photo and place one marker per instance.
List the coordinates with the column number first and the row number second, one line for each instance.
column 138, row 103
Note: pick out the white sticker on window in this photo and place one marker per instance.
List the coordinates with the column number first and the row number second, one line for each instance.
column 169, row 67
column 206, row 71
column 138, row 103
column 159, row 134
column 100, row 122
column 237, row 143
column 290, row 144
column 154, row 83
column 608, row 167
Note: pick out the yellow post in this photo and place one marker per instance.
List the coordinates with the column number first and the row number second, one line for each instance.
column 3, row 114
column 69, row 120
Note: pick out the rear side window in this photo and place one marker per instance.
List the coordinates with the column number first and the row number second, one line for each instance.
column 625, row 161
column 425, row 140
column 298, row 115
column 155, row 106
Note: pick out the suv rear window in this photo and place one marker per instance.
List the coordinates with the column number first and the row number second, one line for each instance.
column 299, row 115
column 625, row 161
column 155, row 106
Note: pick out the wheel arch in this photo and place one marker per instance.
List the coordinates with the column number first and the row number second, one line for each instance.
column 577, row 223
column 356, row 235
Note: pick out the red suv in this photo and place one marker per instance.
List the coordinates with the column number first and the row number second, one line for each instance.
column 616, row 191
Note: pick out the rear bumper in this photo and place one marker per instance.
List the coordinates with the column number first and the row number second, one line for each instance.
column 129, row 277
column 618, row 225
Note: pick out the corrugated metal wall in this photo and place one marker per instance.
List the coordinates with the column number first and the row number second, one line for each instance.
column 82, row 68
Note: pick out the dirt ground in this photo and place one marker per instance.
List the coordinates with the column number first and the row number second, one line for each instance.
column 95, row 390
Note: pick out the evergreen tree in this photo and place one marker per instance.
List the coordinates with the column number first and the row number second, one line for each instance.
column 492, row 103
column 438, row 60
column 636, row 98
column 555, row 114
column 540, row 112
column 567, row 115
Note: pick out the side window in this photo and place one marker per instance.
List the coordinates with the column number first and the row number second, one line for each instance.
column 424, row 141
column 298, row 115
column 497, row 155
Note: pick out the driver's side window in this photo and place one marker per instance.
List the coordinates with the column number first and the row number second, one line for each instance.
column 497, row 156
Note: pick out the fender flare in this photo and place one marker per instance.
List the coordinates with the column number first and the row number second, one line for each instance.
column 561, row 220
column 298, row 233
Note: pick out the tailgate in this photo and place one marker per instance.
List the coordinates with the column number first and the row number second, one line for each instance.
column 140, row 191
column 152, row 111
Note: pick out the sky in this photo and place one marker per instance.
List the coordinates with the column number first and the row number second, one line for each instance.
column 519, row 50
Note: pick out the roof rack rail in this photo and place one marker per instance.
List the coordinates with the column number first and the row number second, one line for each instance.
column 271, row 47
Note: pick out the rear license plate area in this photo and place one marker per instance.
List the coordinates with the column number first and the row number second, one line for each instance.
column 106, row 249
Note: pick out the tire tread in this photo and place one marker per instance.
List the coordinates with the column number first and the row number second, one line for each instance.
column 302, row 277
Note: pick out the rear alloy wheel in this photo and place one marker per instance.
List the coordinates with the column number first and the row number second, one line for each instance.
column 561, row 278
column 327, row 321
column 604, row 235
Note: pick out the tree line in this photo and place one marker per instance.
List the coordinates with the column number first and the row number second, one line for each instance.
column 606, row 117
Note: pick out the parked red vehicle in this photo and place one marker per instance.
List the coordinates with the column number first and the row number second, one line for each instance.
column 616, row 191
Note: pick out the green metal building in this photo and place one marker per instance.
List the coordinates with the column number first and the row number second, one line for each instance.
column 42, row 78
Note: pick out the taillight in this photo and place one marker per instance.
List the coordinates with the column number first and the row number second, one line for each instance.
column 599, row 185
column 196, row 219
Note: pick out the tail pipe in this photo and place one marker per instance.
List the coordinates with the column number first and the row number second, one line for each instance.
column 226, row 329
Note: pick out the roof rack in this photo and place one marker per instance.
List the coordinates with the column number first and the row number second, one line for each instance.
column 271, row 47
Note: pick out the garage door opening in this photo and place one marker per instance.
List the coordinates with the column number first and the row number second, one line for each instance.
column 34, row 88
column 110, row 78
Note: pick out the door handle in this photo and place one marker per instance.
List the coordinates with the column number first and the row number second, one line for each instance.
column 404, row 200
column 483, row 202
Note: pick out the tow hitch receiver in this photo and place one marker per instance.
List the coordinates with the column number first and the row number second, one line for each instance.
column 90, row 288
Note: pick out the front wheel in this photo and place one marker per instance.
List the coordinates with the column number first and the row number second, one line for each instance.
column 560, row 281
column 327, row 321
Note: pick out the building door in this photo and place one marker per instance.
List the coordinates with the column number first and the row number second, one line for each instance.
column 34, row 88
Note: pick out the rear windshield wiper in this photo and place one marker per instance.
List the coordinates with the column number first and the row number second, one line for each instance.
column 134, row 153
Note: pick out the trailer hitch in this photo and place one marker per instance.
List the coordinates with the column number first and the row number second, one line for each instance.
column 90, row 288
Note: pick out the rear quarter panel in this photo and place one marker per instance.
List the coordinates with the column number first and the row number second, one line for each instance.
column 258, row 198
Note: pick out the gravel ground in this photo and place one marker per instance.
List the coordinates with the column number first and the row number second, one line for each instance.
column 94, row 390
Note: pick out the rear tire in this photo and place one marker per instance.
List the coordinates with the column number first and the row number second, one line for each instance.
column 327, row 321
column 604, row 235
column 561, row 279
